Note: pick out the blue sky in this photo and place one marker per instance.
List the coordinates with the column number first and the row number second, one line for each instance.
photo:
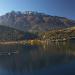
column 64, row 8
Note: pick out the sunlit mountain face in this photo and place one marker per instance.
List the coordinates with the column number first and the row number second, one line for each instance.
column 34, row 21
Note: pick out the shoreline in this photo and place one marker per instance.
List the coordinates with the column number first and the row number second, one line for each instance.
column 23, row 42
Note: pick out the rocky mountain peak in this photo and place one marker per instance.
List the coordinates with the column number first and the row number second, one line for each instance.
column 34, row 21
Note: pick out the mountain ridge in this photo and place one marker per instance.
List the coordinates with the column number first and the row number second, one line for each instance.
column 30, row 21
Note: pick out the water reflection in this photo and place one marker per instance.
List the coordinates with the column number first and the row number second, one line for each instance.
column 26, row 58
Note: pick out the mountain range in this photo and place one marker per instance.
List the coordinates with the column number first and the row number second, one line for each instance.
column 30, row 21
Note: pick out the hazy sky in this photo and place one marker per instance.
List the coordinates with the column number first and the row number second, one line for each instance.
column 53, row 7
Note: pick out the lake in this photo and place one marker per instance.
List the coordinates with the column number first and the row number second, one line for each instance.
column 52, row 58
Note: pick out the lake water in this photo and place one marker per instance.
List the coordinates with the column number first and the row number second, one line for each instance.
column 53, row 58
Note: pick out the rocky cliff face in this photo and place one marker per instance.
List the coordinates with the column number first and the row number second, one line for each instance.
column 34, row 21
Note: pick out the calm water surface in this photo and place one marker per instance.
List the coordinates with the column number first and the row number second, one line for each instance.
column 47, row 59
